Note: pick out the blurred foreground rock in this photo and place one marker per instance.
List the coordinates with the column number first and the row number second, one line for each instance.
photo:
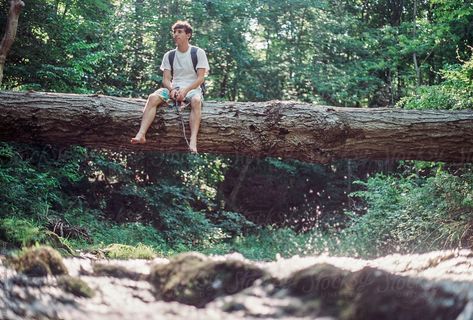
column 437, row 285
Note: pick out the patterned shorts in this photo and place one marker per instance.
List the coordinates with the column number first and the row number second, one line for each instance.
column 164, row 94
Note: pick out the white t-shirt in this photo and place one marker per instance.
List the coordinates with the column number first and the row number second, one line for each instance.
column 184, row 73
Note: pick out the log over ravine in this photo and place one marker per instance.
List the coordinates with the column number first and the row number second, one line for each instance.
column 283, row 129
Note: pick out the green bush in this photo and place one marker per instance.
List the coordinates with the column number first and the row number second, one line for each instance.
column 413, row 214
column 455, row 93
column 269, row 243
column 166, row 205
column 24, row 189
column 122, row 251
column 128, row 234
column 21, row 232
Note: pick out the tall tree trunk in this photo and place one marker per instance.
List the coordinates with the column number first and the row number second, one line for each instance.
column 10, row 32
column 232, row 199
column 278, row 129
column 223, row 83
column 137, row 63
column 414, row 56
column 396, row 8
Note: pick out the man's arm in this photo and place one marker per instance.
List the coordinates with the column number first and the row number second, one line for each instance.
column 167, row 79
column 167, row 84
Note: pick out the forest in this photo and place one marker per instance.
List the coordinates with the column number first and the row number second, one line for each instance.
column 367, row 54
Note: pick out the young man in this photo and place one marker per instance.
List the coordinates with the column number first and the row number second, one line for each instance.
column 181, row 83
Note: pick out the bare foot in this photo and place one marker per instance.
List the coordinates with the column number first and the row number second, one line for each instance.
column 139, row 139
column 193, row 146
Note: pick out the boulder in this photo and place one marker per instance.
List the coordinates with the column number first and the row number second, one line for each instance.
column 195, row 279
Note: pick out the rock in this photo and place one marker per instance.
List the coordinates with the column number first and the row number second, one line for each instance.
column 76, row 286
column 195, row 279
column 410, row 287
column 321, row 280
column 320, row 285
column 375, row 294
column 40, row 262
column 368, row 294
column 115, row 271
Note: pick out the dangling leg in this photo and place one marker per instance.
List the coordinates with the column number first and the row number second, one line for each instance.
column 194, row 121
column 149, row 112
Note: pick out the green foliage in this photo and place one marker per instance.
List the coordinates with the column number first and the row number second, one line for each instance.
column 269, row 244
column 25, row 190
column 122, row 251
column 414, row 214
column 113, row 199
column 144, row 205
column 106, row 233
column 350, row 54
column 456, row 92
column 233, row 224
column 21, row 232
column 57, row 45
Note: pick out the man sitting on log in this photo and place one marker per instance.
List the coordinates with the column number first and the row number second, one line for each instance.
column 184, row 69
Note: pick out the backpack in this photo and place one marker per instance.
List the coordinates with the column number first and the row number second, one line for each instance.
column 171, row 56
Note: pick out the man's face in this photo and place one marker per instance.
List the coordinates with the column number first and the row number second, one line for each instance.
column 180, row 36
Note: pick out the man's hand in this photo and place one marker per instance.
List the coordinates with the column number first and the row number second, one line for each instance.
column 174, row 93
column 181, row 95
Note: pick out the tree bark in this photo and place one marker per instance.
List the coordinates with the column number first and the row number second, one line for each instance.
column 10, row 32
column 279, row 129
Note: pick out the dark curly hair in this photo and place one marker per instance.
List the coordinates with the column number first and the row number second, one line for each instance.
column 182, row 25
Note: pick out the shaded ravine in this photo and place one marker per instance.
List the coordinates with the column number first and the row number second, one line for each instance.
column 436, row 285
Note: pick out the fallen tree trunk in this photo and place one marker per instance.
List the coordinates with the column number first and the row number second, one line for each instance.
column 278, row 129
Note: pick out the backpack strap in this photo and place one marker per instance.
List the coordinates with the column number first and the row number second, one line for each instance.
column 194, row 57
column 194, row 62
column 171, row 56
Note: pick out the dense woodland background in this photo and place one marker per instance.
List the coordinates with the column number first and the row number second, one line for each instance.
column 353, row 53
